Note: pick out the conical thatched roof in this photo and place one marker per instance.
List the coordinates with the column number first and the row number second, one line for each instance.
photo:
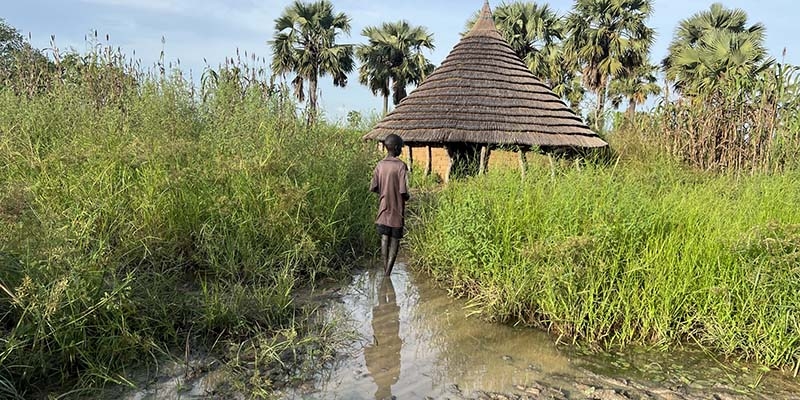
column 484, row 93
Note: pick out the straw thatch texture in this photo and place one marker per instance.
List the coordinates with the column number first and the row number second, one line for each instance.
column 483, row 93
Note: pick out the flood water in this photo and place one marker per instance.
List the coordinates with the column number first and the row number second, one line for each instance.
column 414, row 342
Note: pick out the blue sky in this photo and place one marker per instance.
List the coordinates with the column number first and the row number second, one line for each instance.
column 213, row 29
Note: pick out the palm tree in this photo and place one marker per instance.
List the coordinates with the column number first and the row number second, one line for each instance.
column 635, row 88
column 565, row 78
column 712, row 46
column 305, row 44
column 392, row 59
column 534, row 32
column 609, row 39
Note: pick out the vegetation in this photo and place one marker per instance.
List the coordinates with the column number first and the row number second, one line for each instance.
column 609, row 39
column 305, row 44
column 713, row 46
column 19, row 61
column 139, row 213
column 536, row 33
column 392, row 59
column 685, row 236
column 143, row 219
column 736, row 108
column 645, row 252
column 605, row 44
column 635, row 88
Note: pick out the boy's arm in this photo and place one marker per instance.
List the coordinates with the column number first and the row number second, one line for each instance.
column 374, row 186
column 404, row 184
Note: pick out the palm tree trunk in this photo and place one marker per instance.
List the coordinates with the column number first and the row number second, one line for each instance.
column 599, row 117
column 386, row 97
column 312, row 99
column 631, row 110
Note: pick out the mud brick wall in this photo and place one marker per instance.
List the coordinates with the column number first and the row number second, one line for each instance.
column 497, row 159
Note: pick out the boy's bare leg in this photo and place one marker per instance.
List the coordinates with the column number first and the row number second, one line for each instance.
column 394, row 247
column 385, row 250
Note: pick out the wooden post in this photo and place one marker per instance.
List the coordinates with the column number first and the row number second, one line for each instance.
column 449, row 165
column 410, row 159
column 523, row 161
column 429, row 164
column 484, row 159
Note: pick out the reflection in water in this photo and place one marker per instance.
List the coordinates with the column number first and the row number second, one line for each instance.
column 383, row 355
column 413, row 341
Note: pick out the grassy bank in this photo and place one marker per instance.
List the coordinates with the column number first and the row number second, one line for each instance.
column 633, row 253
column 137, row 216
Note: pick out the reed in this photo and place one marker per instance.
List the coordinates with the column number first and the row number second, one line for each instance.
column 138, row 214
column 742, row 125
column 648, row 253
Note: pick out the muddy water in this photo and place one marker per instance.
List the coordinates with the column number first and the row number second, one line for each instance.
column 413, row 342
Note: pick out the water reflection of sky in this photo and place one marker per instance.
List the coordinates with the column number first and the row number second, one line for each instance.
column 438, row 346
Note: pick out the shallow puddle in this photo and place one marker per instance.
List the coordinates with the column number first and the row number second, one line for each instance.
column 414, row 342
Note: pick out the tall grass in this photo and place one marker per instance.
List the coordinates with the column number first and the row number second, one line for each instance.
column 137, row 215
column 743, row 125
column 632, row 253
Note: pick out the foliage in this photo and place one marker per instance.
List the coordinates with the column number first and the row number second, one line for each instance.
column 392, row 59
column 635, row 88
column 19, row 61
column 744, row 126
column 10, row 42
column 645, row 252
column 139, row 219
column 609, row 39
column 305, row 44
column 535, row 32
column 713, row 46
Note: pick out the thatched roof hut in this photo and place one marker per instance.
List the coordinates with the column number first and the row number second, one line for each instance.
column 484, row 96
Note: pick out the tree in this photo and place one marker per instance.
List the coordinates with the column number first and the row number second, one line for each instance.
column 392, row 59
column 11, row 42
column 635, row 88
column 534, row 32
column 712, row 46
column 565, row 79
column 22, row 67
column 609, row 39
column 305, row 44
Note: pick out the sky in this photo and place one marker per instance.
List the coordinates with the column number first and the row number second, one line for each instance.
column 205, row 32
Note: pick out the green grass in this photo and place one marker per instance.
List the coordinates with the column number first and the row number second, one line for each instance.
column 131, row 224
column 633, row 253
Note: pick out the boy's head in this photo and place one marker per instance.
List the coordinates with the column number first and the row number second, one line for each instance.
column 393, row 144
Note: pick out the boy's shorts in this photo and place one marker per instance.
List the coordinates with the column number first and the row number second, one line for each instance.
column 396, row 233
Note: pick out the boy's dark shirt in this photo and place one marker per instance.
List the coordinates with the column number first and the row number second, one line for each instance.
column 389, row 181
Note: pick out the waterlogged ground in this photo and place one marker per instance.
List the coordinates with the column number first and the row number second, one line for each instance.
column 414, row 342
column 411, row 341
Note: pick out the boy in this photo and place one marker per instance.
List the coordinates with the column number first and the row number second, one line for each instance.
column 390, row 182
